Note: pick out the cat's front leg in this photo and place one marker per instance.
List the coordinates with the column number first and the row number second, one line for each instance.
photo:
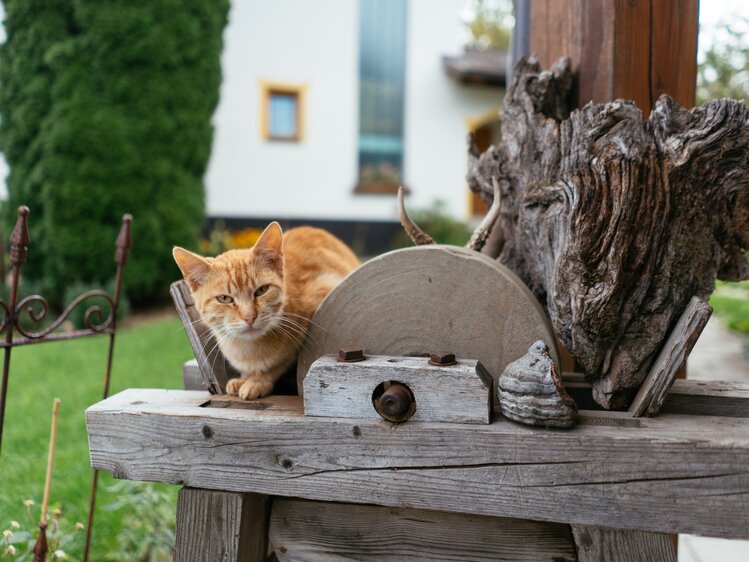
column 251, row 387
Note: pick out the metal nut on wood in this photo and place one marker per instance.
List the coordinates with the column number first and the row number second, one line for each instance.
column 442, row 358
column 350, row 354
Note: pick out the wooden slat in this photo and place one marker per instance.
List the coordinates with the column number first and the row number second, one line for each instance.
column 308, row 531
column 457, row 393
column 677, row 348
column 214, row 368
column 686, row 474
column 596, row 544
column 226, row 526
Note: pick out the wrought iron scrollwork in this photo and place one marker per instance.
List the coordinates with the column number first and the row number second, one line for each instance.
column 36, row 308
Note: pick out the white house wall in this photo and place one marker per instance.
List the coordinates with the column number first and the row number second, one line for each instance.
column 316, row 44
column 438, row 108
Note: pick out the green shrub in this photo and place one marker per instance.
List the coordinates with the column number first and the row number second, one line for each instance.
column 731, row 302
column 148, row 517
column 123, row 126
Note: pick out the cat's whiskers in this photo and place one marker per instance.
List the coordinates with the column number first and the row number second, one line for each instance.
column 289, row 334
column 289, row 323
column 294, row 314
column 216, row 346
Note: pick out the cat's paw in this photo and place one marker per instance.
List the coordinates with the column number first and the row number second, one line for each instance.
column 233, row 386
column 255, row 388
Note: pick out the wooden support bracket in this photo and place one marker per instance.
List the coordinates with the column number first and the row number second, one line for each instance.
column 598, row 543
column 226, row 526
column 458, row 393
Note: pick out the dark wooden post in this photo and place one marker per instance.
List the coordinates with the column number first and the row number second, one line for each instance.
column 632, row 49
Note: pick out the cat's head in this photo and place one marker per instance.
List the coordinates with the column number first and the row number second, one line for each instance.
column 239, row 293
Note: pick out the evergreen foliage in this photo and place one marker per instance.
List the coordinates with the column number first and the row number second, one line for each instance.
column 122, row 124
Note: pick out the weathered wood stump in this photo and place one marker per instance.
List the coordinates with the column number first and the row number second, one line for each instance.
column 615, row 223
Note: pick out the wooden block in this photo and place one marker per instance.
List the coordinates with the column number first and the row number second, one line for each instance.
column 458, row 393
column 595, row 544
column 192, row 379
column 226, row 526
column 673, row 355
column 213, row 366
column 416, row 301
column 668, row 474
column 320, row 531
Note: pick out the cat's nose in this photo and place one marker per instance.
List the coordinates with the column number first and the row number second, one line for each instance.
column 249, row 317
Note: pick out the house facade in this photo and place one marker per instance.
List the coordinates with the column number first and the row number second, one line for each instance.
column 327, row 106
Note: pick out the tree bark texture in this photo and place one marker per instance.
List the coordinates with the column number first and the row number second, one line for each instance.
column 615, row 223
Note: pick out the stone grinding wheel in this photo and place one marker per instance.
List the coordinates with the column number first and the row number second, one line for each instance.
column 430, row 298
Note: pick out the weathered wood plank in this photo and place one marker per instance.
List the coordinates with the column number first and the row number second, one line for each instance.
column 310, row 531
column 684, row 474
column 214, row 368
column 458, row 393
column 687, row 397
column 226, row 526
column 595, row 544
column 673, row 355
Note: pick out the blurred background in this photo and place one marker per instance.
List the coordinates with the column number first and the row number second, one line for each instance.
column 207, row 120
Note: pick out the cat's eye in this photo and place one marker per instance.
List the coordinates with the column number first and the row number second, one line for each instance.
column 261, row 290
column 224, row 299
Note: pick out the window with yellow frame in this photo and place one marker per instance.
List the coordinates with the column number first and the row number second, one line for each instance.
column 282, row 111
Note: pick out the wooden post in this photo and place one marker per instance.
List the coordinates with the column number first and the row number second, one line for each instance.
column 635, row 50
column 226, row 526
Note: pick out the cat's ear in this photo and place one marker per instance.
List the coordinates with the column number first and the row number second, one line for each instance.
column 194, row 268
column 269, row 247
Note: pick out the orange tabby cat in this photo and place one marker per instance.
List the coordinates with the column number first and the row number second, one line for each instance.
column 258, row 302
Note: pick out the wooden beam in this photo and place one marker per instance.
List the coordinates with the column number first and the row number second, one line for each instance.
column 595, row 544
column 686, row 474
column 632, row 50
column 687, row 397
column 310, row 531
column 226, row 526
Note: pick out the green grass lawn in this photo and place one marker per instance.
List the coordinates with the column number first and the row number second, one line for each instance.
column 731, row 302
column 147, row 355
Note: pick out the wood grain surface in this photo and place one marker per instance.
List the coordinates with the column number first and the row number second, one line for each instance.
column 308, row 531
column 686, row 474
column 458, row 393
column 425, row 299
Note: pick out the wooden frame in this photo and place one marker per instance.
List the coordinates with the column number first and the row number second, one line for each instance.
column 670, row 474
column 268, row 89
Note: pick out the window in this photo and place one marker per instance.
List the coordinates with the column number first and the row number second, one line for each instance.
column 382, row 73
column 282, row 112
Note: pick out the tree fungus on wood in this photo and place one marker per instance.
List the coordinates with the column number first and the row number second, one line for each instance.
column 615, row 223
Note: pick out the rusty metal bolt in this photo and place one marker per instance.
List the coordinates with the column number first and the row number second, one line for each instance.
column 350, row 354
column 442, row 358
column 396, row 403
